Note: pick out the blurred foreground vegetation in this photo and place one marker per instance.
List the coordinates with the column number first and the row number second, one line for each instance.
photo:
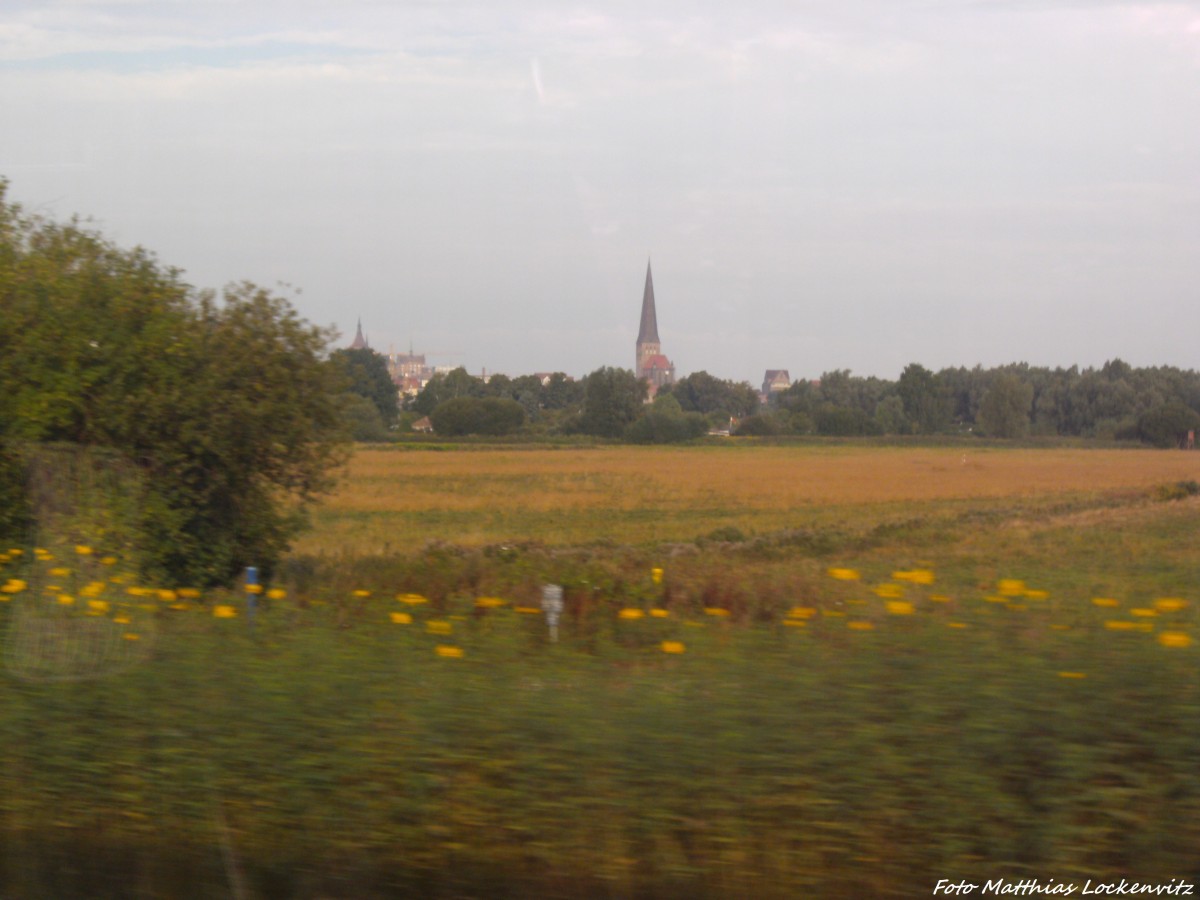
column 729, row 722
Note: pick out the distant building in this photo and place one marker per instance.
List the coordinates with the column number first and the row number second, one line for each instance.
column 360, row 342
column 652, row 365
column 776, row 380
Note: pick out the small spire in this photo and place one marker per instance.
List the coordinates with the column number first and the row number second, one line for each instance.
column 648, row 333
column 360, row 343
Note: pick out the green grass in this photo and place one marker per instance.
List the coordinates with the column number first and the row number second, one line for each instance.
column 329, row 751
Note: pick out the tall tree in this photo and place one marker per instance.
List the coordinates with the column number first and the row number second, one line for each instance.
column 612, row 399
column 1004, row 410
column 366, row 374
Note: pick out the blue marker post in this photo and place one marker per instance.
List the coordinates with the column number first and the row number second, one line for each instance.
column 251, row 585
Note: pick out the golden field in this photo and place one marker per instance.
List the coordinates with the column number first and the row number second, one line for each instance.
column 394, row 499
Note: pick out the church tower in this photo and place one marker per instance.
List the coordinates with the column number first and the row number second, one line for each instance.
column 651, row 364
column 360, row 342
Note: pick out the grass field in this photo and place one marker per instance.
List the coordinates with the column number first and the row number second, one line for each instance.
column 400, row 499
column 810, row 671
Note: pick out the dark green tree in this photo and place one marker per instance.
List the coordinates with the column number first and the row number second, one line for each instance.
column 226, row 409
column 665, row 422
column 612, row 399
column 1004, row 410
column 926, row 400
column 477, row 415
column 366, row 374
column 1167, row 425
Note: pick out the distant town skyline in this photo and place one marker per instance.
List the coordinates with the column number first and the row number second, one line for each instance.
column 852, row 185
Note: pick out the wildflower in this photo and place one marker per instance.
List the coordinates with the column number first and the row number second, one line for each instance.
column 659, row 613
column 1075, row 675
column 672, row 647
column 630, row 613
column 956, row 624
column 844, row 574
column 795, row 623
column 83, row 549
column 97, row 607
column 167, row 596
column 1174, row 639
column 121, row 620
column 914, row 576
column 13, row 586
column 892, row 591
column 401, row 618
column 1104, row 601
column 93, row 589
column 656, row 575
column 1037, row 595
column 488, row 602
column 411, row 599
column 438, row 626
column 131, row 636
column 1143, row 612
column 60, row 571
column 899, row 608
column 527, row 610
column 223, row 611
column 802, row 612
column 993, row 598
column 66, row 600
column 108, row 560
column 716, row 611
column 860, row 625
column 1169, row 604
column 360, row 593
column 15, row 551
column 276, row 594
column 1010, row 587
column 258, row 589
column 446, row 651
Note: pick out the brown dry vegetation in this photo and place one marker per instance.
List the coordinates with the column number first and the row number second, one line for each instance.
column 395, row 499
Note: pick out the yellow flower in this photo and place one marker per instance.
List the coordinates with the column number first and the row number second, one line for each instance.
column 83, row 550
column 1169, row 604
column 359, row 593
column 860, row 625
column 1104, row 601
column 489, row 602
column 98, row 607
column 108, row 560
column 672, row 647
column 630, row 613
column 956, row 624
column 16, row 551
column 258, row 589
column 167, row 596
column 900, row 608
column 412, row 599
column 659, row 613
column 914, row 576
column 795, row 623
column 1072, row 675
column 889, row 590
column 401, row 618
column 121, row 620
column 527, row 610
column 224, row 612
column 438, row 626
column 1144, row 612
column 1010, row 587
column 844, row 574
column 93, row 589
column 14, row 586
column 130, row 636
column 716, row 611
column 1174, row 639
column 66, row 599
column 1037, row 595
column 446, row 651
column 802, row 612
column 276, row 594
column 60, row 571
column 656, row 575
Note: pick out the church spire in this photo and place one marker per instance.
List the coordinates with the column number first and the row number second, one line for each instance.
column 360, row 342
column 648, row 333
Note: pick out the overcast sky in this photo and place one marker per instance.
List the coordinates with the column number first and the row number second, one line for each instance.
column 842, row 184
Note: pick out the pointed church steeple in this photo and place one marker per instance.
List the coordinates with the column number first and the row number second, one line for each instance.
column 648, row 333
column 652, row 366
column 360, row 342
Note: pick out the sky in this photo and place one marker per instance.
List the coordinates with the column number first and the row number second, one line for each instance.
column 818, row 184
